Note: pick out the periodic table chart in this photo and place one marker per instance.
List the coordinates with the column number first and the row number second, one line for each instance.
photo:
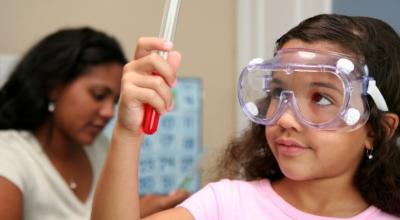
column 170, row 157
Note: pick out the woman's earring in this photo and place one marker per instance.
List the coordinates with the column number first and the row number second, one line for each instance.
column 369, row 153
column 51, row 107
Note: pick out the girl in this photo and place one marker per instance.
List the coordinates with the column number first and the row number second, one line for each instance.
column 322, row 144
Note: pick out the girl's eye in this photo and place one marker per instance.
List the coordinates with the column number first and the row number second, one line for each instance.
column 321, row 99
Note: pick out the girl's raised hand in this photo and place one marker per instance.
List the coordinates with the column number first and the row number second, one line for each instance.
column 140, row 85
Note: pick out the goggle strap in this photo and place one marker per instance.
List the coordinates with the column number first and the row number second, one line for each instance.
column 377, row 96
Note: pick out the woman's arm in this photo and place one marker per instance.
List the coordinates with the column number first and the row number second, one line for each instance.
column 10, row 200
column 117, row 191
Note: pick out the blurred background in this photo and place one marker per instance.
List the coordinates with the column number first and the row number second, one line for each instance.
column 216, row 37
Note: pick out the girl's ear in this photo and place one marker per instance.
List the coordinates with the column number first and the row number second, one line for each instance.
column 390, row 122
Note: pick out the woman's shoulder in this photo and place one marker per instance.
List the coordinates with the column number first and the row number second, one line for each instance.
column 9, row 134
column 16, row 150
column 15, row 138
column 17, row 146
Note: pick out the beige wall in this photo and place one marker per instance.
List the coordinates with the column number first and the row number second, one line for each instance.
column 205, row 37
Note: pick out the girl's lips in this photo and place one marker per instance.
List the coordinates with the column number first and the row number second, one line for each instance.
column 289, row 147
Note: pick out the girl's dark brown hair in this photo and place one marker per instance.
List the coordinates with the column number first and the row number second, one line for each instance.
column 378, row 45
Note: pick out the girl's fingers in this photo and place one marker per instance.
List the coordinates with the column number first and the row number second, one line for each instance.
column 149, row 96
column 147, row 45
column 174, row 59
column 153, row 63
column 152, row 82
column 141, row 85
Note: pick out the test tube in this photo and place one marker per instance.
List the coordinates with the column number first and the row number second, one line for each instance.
column 167, row 32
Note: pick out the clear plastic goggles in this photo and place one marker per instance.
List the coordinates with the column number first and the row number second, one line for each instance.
column 323, row 90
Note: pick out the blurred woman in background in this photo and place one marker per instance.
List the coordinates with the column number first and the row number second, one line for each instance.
column 52, row 110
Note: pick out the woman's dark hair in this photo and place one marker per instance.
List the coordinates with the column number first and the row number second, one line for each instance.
column 378, row 45
column 56, row 60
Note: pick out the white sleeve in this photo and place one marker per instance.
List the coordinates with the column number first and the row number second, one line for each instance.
column 11, row 162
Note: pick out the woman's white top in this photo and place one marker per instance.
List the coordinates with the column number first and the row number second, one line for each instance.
column 46, row 196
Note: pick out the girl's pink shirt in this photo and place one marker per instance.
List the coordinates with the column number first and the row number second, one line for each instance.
column 236, row 199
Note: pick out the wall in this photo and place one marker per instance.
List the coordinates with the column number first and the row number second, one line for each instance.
column 386, row 10
column 205, row 36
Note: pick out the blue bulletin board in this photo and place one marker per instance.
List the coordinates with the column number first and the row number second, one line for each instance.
column 170, row 157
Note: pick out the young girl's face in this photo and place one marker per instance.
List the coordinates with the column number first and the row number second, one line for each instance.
column 306, row 154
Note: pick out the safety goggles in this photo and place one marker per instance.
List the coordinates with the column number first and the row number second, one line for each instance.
column 323, row 90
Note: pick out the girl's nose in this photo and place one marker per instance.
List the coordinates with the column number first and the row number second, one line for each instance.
column 288, row 120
